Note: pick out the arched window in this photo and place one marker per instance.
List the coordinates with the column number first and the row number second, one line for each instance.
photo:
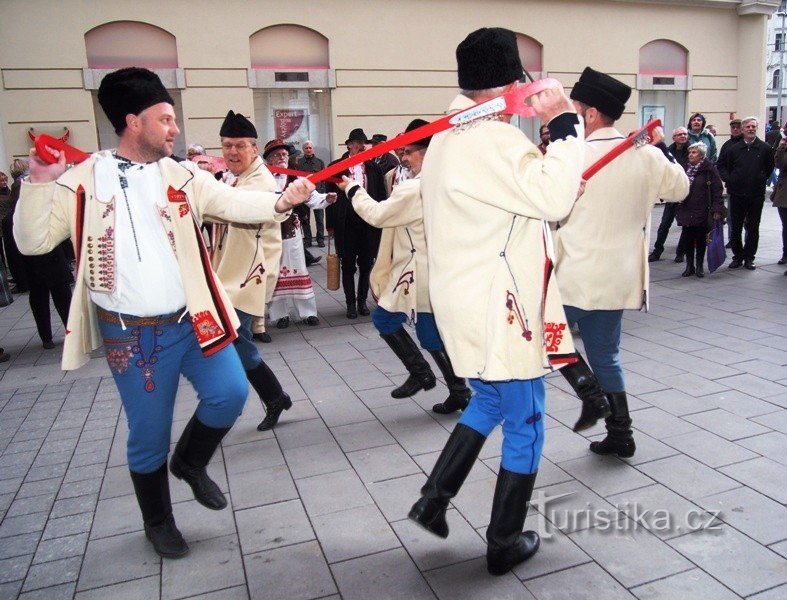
column 662, row 81
column 663, row 57
column 776, row 79
column 531, row 53
column 288, row 47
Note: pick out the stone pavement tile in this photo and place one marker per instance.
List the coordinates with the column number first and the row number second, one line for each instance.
column 15, row 568
column 63, row 526
column 74, row 506
column 31, row 523
column 474, row 501
column 733, row 559
column 695, row 385
column 252, row 456
column 64, row 591
column 198, row 523
column 324, row 494
column 652, row 369
column 402, row 416
column 132, row 551
column 353, row 533
column 384, row 462
column 771, row 445
column 423, row 438
column 638, row 384
column 264, row 486
column 556, row 553
column 342, row 413
column 776, row 420
column 117, row 482
column 549, row 474
column 431, row 552
column 689, row 584
column 726, row 425
column 53, row 573
column 582, row 582
column 212, row 564
column 361, row 436
column 293, row 573
column 562, row 444
column 780, row 548
column 659, row 424
column 605, row 475
column 751, row 384
column 762, row 474
column 146, row 588
column 381, row 397
column 19, row 545
column 738, row 403
column 238, row 592
column 470, row 580
column 390, row 574
column 688, row 477
column 763, row 368
column 81, row 472
column 271, row 526
column 571, row 506
column 319, row 459
column 25, row 506
column 83, row 488
column 58, row 548
column 394, row 497
column 37, row 488
column 751, row 513
column 631, row 555
column 776, row 593
column 302, row 433
column 709, row 449
column 676, row 402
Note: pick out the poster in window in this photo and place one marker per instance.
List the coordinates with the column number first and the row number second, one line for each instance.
column 650, row 112
column 291, row 124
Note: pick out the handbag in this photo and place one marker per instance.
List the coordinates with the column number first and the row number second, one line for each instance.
column 716, row 253
column 332, row 267
column 6, row 297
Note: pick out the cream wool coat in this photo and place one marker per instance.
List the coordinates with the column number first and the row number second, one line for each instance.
column 400, row 277
column 602, row 246
column 247, row 263
column 49, row 213
column 487, row 192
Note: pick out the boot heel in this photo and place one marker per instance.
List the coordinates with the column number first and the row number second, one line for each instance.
column 430, row 515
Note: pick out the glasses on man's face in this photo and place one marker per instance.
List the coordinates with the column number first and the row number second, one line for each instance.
column 240, row 146
column 279, row 154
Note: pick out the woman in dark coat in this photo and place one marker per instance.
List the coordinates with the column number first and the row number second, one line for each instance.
column 704, row 201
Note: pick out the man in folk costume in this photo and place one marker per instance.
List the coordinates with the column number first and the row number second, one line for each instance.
column 294, row 292
column 487, row 196
column 356, row 240
column 243, row 256
column 145, row 286
column 602, row 253
column 400, row 281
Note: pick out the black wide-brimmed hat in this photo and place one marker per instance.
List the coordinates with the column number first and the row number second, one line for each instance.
column 606, row 94
column 357, row 135
column 488, row 58
column 235, row 125
column 415, row 124
column 378, row 138
column 129, row 91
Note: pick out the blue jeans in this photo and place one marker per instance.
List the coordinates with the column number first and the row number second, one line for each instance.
column 146, row 363
column 519, row 406
column 425, row 327
column 247, row 350
column 600, row 331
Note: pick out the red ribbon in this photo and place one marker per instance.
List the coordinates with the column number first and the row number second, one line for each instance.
column 639, row 138
column 294, row 173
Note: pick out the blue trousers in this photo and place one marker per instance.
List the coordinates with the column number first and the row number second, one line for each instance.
column 519, row 406
column 247, row 350
column 425, row 327
column 146, row 363
column 600, row 331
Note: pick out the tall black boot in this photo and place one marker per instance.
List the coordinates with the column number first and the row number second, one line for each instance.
column 584, row 382
column 348, row 285
column 508, row 544
column 363, row 291
column 689, row 270
column 273, row 398
column 459, row 393
column 191, row 457
column 421, row 375
column 700, row 271
column 449, row 473
column 620, row 438
column 152, row 490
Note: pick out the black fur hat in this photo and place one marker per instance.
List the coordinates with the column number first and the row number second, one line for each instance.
column 488, row 58
column 604, row 93
column 415, row 124
column 235, row 125
column 129, row 91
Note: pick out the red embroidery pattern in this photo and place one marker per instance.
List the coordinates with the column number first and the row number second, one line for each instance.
column 145, row 365
column 406, row 279
column 106, row 258
column 110, row 207
column 515, row 313
column 254, row 276
column 205, row 327
column 164, row 214
column 180, row 198
column 119, row 354
column 553, row 335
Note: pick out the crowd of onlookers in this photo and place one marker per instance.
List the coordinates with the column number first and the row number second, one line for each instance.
column 741, row 170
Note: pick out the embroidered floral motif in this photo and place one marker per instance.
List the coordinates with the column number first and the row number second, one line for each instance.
column 515, row 313
column 171, row 238
column 110, row 207
column 164, row 214
column 205, row 327
column 553, row 335
column 180, row 198
column 119, row 353
column 406, row 279
column 254, row 276
column 145, row 364
column 105, row 249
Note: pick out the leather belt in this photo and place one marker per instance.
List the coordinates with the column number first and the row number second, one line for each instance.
column 134, row 321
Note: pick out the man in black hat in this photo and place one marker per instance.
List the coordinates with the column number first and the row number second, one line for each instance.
column 245, row 256
column 386, row 161
column 487, row 193
column 601, row 248
column 356, row 240
column 145, row 286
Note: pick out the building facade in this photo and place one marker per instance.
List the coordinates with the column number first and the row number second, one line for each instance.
column 318, row 70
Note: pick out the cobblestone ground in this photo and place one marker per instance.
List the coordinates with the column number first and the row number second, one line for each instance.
column 318, row 507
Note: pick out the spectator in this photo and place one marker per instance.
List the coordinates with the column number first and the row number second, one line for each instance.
column 779, row 195
column 699, row 133
column 543, row 133
column 194, row 150
column 309, row 162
